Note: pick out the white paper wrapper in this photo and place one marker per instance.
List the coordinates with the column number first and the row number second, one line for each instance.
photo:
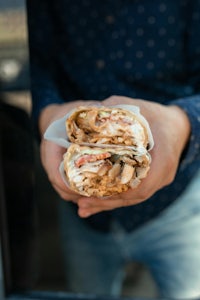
column 56, row 133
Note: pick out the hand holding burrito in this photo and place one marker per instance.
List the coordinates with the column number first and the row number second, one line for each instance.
column 170, row 129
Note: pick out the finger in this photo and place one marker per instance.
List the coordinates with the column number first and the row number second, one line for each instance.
column 90, row 206
column 66, row 195
column 85, row 212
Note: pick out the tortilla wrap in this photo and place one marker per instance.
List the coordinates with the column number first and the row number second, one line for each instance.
column 94, row 171
column 108, row 125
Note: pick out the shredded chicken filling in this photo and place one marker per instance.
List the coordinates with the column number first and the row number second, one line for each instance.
column 105, row 173
column 106, row 127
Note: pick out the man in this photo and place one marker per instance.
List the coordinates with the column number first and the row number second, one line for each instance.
column 91, row 50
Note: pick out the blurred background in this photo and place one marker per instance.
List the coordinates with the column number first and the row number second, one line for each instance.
column 14, row 69
column 15, row 84
column 46, row 262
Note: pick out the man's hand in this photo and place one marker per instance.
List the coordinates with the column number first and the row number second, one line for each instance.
column 170, row 127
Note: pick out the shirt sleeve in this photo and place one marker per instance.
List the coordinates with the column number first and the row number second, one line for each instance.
column 191, row 105
column 42, row 56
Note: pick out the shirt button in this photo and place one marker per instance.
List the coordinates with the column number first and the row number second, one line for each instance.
column 100, row 64
column 109, row 19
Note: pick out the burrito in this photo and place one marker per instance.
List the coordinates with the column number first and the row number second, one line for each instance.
column 107, row 148
column 108, row 125
column 96, row 171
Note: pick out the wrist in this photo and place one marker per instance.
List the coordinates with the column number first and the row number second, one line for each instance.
column 182, row 124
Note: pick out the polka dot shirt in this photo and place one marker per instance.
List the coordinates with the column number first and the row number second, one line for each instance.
column 85, row 49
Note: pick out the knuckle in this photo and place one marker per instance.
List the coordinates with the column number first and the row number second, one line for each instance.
column 111, row 99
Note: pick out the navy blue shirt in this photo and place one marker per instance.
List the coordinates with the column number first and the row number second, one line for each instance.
column 85, row 49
